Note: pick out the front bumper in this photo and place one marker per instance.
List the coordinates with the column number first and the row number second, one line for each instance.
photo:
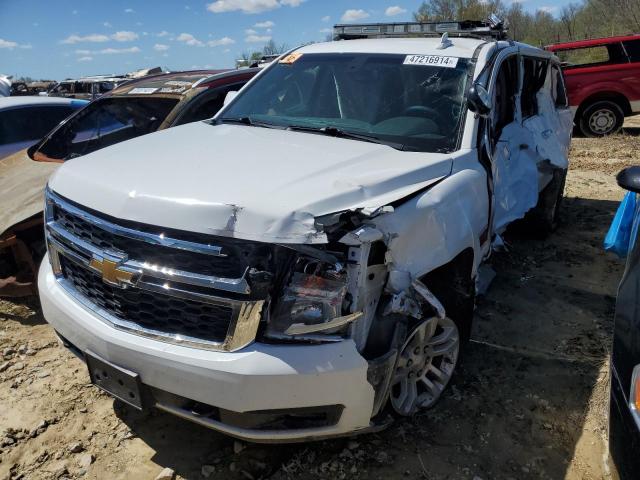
column 258, row 378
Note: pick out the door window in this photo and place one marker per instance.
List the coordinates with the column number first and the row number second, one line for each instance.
column 506, row 90
column 534, row 76
column 592, row 56
column 207, row 104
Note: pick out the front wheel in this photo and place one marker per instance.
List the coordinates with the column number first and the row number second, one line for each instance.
column 425, row 365
column 601, row 118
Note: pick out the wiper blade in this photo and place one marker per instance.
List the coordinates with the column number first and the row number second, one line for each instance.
column 338, row 132
column 247, row 121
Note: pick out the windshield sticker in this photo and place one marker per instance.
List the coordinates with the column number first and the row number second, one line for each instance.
column 289, row 59
column 178, row 83
column 431, row 61
column 172, row 90
column 142, row 91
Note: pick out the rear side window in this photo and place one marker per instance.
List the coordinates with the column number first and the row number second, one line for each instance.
column 633, row 50
column 592, row 56
column 30, row 123
column 535, row 74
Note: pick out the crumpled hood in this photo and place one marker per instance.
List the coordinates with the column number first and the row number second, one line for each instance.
column 22, row 183
column 240, row 181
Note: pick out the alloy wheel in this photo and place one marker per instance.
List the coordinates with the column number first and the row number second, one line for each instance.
column 425, row 365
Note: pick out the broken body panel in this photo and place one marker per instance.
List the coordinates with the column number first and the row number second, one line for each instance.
column 369, row 242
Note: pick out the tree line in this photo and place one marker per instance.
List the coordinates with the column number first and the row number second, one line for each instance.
column 575, row 21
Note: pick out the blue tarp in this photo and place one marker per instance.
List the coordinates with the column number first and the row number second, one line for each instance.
column 624, row 228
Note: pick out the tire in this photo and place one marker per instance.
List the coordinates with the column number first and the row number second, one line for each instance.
column 543, row 219
column 601, row 118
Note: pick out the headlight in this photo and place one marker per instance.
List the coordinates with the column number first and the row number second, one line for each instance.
column 312, row 303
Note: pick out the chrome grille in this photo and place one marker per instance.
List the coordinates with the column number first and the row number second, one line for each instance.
column 150, row 284
column 151, row 311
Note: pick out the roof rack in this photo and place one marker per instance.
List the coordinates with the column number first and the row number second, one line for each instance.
column 494, row 29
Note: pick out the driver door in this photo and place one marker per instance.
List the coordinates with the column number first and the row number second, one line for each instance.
column 515, row 176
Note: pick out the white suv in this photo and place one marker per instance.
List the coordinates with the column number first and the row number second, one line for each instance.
column 307, row 260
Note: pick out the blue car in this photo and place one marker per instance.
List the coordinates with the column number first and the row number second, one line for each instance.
column 624, row 409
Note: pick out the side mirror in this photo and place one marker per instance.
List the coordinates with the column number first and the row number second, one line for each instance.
column 629, row 179
column 230, row 96
column 479, row 100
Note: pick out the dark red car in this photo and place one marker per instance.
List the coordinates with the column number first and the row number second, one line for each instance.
column 135, row 108
column 603, row 80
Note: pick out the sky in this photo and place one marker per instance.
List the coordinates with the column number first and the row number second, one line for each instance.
column 57, row 39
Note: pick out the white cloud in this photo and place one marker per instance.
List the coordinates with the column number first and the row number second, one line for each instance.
column 94, row 37
column 129, row 10
column 395, row 10
column 326, row 18
column 159, row 47
column 116, row 51
column 163, row 33
column 250, row 6
column 189, row 39
column 267, row 24
column 221, row 41
column 7, row 44
column 548, row 9
column 353, row 15
column 107, row 51
column 250, row 31
column 124, row 36
column 85, row 59
column 107, row 24
column 257, row 38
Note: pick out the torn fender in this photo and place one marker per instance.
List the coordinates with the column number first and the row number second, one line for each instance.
column 433, row 227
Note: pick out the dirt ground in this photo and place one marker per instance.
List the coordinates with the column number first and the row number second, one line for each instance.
column 528, row 401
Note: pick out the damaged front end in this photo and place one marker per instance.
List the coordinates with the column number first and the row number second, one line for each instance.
column 348, row 288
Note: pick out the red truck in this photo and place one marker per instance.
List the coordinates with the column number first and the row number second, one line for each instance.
column 603, row 80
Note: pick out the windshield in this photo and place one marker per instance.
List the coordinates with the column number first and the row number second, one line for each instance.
column 387, row 98
column 105, row 122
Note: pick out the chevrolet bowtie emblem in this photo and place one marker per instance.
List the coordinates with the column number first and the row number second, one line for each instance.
column 112, row 271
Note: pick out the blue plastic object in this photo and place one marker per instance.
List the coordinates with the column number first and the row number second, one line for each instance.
column 624, row 227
